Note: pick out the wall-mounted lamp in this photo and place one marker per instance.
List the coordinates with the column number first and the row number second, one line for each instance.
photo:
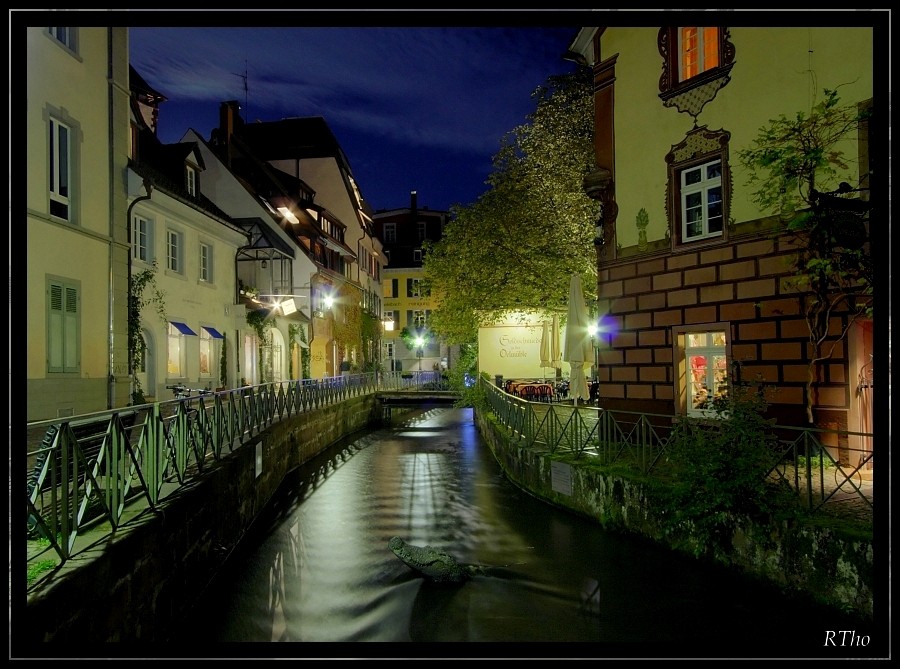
column 289, row 215
column 328, row 301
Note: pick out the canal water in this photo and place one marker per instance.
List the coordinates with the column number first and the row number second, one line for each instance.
column 317, row 568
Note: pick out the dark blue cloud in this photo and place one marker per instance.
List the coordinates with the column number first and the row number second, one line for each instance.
column 414, row 108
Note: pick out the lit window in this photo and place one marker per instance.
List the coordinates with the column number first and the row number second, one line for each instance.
column 698, row 49
column 60, row 166
column 141, row 239
column 707, row 371
column 696, row 64
column 206, row 353
column 63, row 327
column 701, row 201
column 177, row 349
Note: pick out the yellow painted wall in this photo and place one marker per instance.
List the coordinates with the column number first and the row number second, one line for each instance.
column 77, row 252
column 512, row 348
column 774, row 73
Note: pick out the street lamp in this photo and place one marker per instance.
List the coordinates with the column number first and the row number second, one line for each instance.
column 594, row 332
column 419, row 343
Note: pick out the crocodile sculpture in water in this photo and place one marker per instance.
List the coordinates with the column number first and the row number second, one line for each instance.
column 433, row 563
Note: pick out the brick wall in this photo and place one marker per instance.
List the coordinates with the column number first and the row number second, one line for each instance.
column 741, row 285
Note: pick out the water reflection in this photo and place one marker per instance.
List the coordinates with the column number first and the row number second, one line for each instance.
column 317, row 568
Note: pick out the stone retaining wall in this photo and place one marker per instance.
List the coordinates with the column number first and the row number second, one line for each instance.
column 815, row 561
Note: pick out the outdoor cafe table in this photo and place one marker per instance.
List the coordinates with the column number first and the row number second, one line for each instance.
column 516, row 387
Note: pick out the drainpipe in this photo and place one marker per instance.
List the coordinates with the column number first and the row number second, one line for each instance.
column 148, row 186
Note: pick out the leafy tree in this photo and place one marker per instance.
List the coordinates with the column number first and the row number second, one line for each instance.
column 798, row 167
column 517, row 246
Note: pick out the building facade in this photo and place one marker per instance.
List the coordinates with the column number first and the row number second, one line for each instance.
column 340, row 259
column 76, row 220
column 183, row 249
column 407, row 304
column 694, row 279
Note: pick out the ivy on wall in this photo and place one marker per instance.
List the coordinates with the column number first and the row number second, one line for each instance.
column 142, row 292
column 259, row 321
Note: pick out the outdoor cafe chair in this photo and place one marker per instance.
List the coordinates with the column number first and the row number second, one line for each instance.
column 545, row 392
column 529, row 393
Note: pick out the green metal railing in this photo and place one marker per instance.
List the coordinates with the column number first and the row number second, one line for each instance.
column 88, row 470
column 85, row 470
column 640, row 441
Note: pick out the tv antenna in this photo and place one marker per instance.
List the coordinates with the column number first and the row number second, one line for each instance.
column 244, row 77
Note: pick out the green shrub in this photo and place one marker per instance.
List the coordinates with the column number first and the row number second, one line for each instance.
column 720, row 466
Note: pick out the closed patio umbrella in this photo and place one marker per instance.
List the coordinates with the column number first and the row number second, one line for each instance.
column 555, row 348
column 545, row 347
column 578, row 342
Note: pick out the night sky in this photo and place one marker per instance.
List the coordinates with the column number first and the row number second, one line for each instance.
column 414, row 104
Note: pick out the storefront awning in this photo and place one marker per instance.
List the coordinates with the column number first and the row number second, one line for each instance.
column 215, row 334
column 183, row 328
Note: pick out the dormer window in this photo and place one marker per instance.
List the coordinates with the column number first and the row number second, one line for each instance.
column 190, row 180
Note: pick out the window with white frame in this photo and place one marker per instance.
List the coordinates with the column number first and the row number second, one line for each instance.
column 206, row 262
column 63, row 326
column 699, row 187
column 65, row 35
column 60, row 163
column 142, row 239
column 390, row 233
column 190, row 179
column 174, row 251
column 701, row 201
column 419, row 319
column 417, row 255
column 706, row 364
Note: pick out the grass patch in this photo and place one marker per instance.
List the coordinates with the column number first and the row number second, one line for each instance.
column 38, row 568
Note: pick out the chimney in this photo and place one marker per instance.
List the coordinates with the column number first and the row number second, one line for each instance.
column 229, row 119
column 412, row 202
